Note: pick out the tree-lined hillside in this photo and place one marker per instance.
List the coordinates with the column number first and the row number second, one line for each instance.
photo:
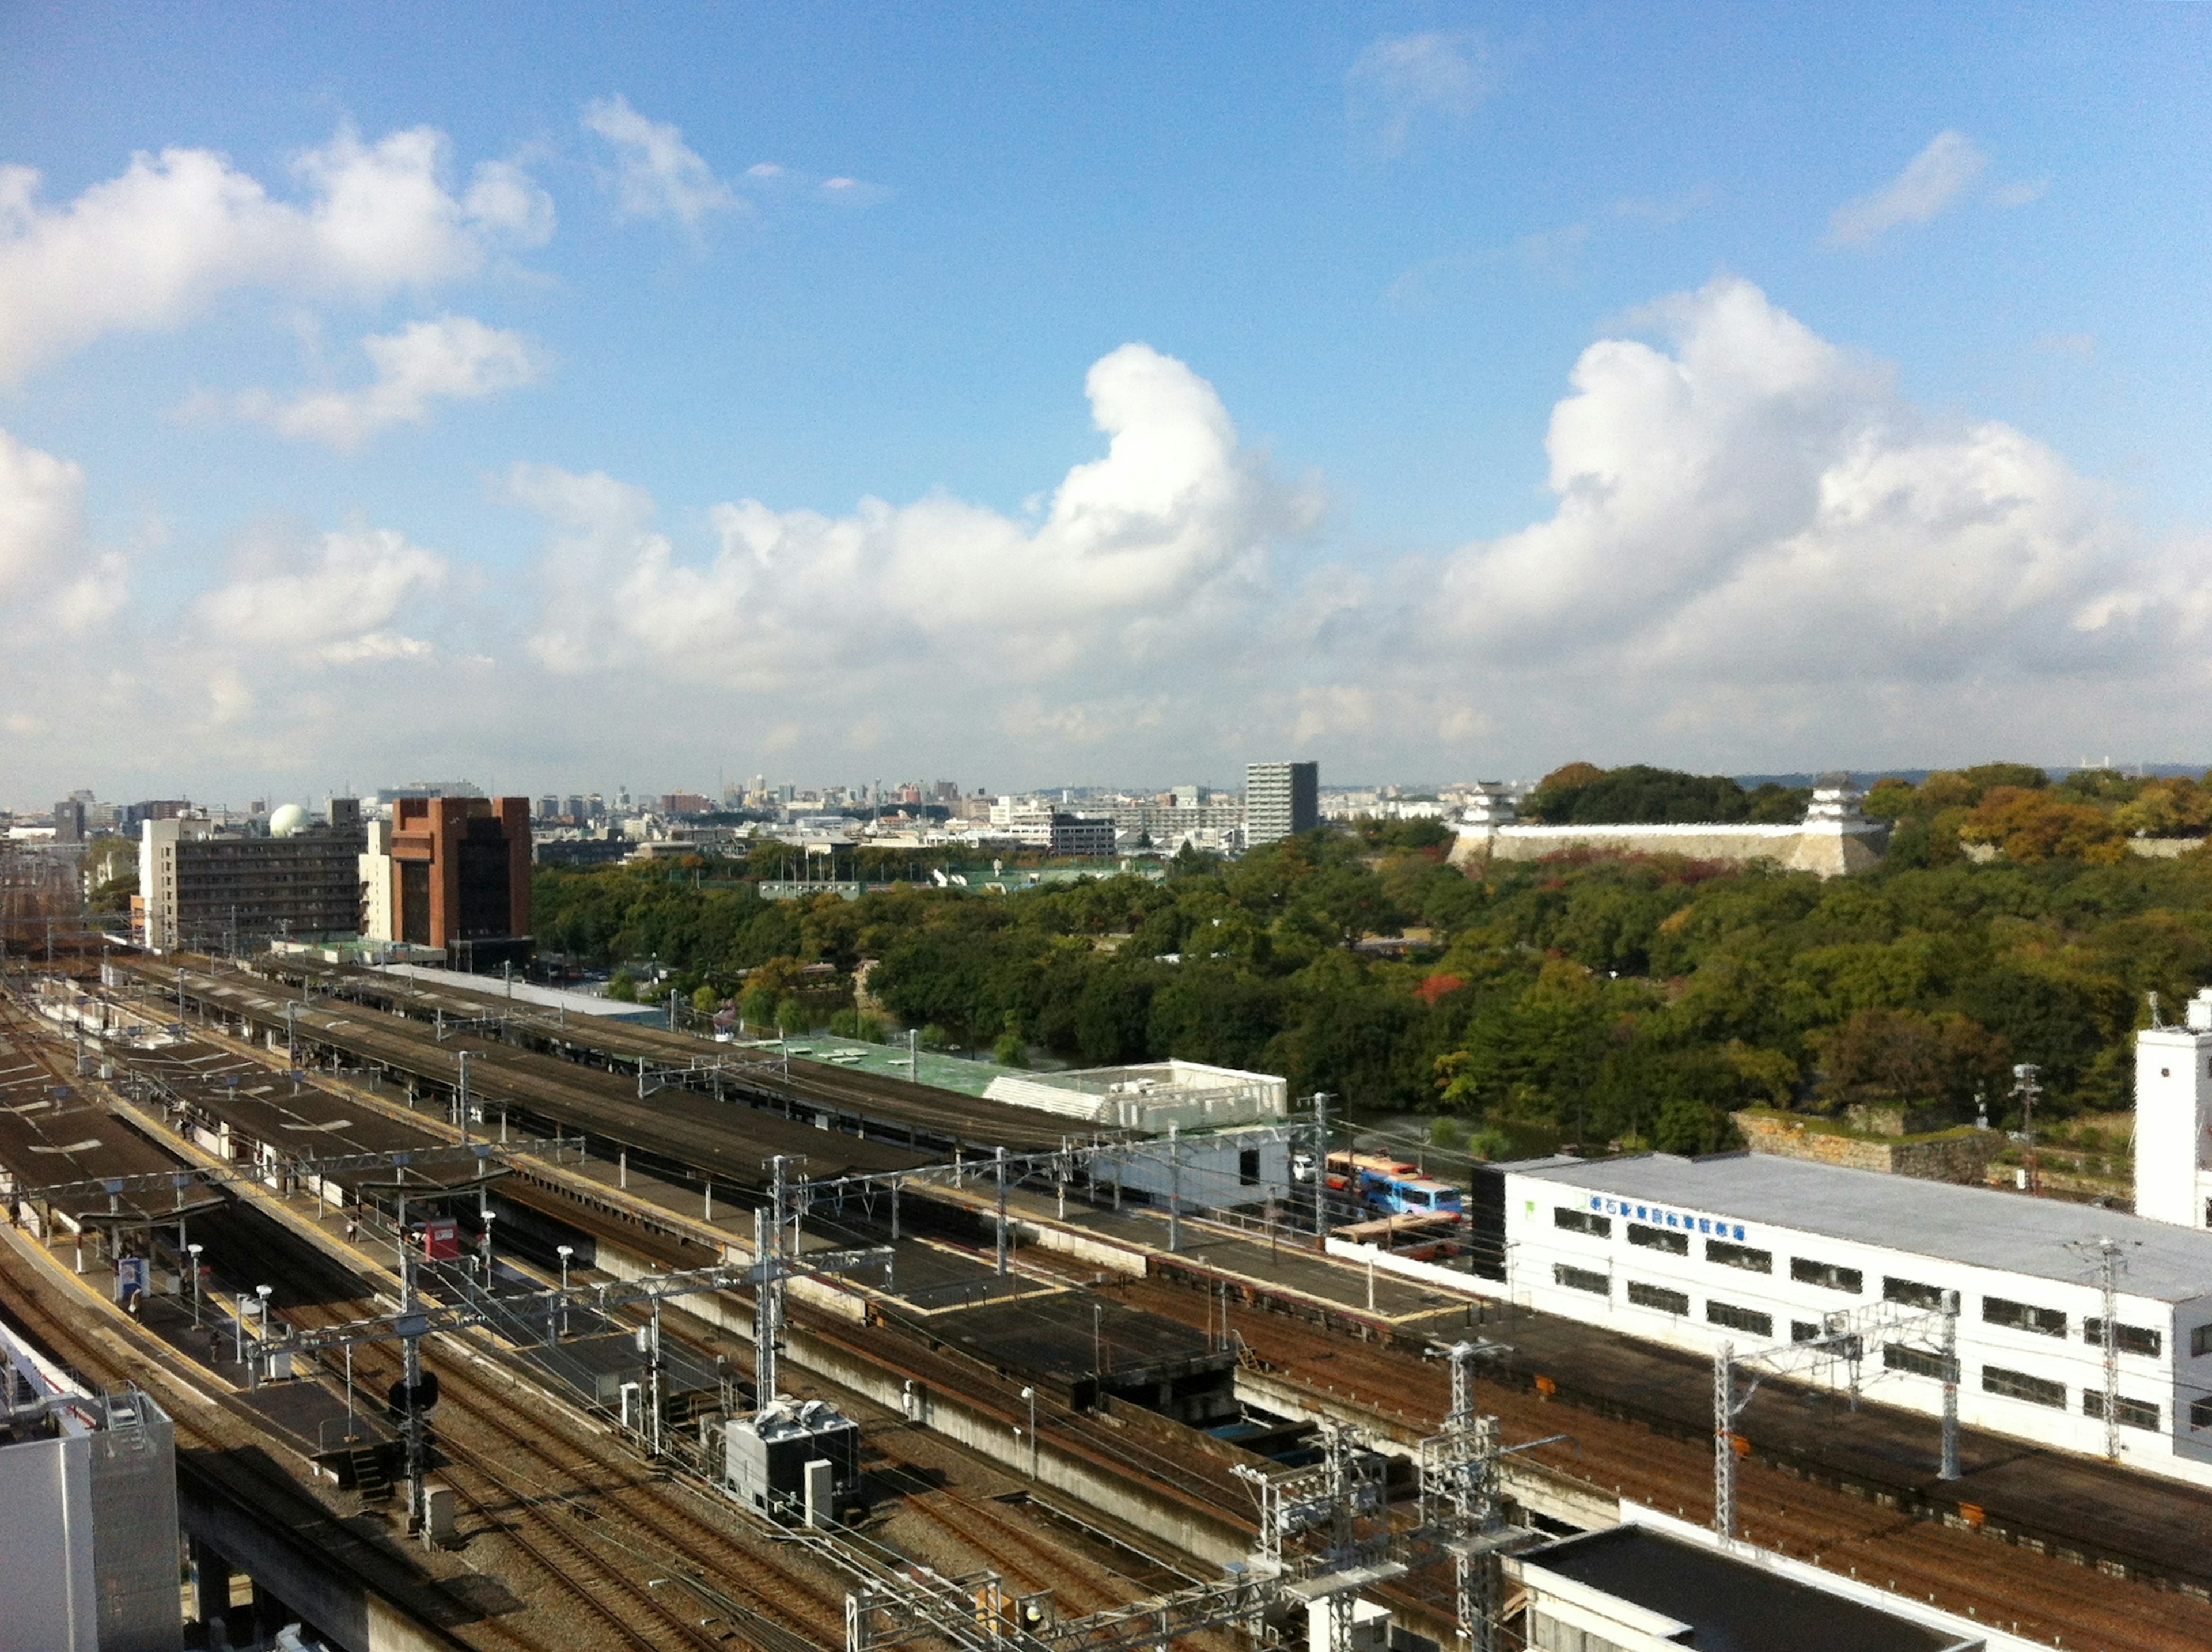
column 1609, row 999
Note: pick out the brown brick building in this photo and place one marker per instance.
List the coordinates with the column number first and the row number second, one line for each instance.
column 460, row 878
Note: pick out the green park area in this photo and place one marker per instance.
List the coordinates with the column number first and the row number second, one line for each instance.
column 1589, row 999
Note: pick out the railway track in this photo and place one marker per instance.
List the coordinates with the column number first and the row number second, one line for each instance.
column 1996, row 1583
column 576, row 1567
column 727, row 1140
column 248, row 1476
column 942, row 1115
column 556, row 1479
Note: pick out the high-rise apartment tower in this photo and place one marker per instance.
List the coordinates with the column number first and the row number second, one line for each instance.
column 1281, row 800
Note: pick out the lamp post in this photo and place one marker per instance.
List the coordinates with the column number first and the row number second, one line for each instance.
column 1029, row 1394
column 566, row 1252
column 194, row 1252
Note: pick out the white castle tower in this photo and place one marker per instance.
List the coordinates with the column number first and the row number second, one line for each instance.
column 2173, row 1117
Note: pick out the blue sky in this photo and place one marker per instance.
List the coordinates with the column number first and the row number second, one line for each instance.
column 1910, row 296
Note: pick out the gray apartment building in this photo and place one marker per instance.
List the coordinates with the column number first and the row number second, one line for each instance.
column 1280, row 801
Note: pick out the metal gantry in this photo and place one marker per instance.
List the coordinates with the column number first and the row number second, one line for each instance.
column 1326, row 1535
column 1461, row 1491
column 1844, row 1340
column 2108, row 1259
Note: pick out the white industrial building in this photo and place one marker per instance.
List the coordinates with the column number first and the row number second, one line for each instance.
column 1757, row 1251
column 1231, row 1132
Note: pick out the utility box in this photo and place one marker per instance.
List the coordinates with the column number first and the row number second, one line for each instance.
column 821, row 1492
column 438, row 1510
column 769, row 1453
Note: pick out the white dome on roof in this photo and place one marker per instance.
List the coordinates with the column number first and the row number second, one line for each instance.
column 290, row 820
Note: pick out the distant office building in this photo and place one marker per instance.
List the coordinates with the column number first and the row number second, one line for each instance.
column 389, row 795
column 1082, row 834
column 153, row 809
column 455, row 875
column 685, row 803
column 549, row 808
column 204, row 888
column 69, row 821
column 1281, row 800
column 1183, row 814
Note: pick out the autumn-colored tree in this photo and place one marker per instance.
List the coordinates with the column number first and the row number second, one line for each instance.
column 1571, row 775
column 2169, row 808
column 1901, row 1055
column 1951, row 788
column 2032, row 827
column 1440, row 985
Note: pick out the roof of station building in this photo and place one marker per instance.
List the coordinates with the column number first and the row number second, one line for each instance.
column 1729, row 1604
column 1980, row 1227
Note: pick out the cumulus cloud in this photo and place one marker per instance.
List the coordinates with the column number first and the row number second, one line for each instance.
column 1758, row 554
column 149, row 249
column 1758, row 505
column 1932, row 182
column 1752, row 530
column 51, row 578
column 41, row 513
column 1170, row 526
column 1401, row 82
column 453, row 358
column 657, row 174
column 332, row 603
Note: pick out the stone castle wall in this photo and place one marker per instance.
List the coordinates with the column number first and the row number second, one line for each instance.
column 1961, row 1156
column 1823, row 849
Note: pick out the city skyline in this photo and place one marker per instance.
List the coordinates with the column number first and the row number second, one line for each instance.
column 1442, row 391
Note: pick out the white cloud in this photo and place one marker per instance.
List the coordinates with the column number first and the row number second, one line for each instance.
column 851, row 192
column 1401, row 81
column 1760, row 505
column 453, row 358
column 41, row 513
column 657, row 174
column 332, row 603
column 1163, row 532
column 1758, row 554
column 52, row 581
column 149, row 249
column 1932, row 182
